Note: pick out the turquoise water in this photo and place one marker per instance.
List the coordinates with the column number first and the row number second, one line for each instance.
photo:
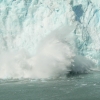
column 79, row 87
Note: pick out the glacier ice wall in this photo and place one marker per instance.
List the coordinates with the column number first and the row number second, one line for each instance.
column 25, row 23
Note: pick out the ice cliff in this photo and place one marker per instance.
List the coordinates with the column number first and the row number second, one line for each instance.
column 25, row 23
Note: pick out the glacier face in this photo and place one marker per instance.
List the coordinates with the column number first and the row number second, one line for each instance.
column 25, row 23
column 88, row 29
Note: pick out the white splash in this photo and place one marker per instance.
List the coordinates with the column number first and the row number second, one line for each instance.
column 52, row 59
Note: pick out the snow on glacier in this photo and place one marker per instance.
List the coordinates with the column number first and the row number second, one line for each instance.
column 24, row 24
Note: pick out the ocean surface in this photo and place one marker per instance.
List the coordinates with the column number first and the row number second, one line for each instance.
column 72, row 87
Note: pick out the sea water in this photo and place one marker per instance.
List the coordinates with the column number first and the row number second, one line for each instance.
column 79, row 87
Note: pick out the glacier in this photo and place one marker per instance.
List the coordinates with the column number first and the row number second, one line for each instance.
column 47, row 38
